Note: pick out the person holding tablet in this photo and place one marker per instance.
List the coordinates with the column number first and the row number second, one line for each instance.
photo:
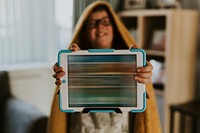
column 100, row 28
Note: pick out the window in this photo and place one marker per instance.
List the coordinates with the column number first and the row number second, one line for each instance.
column 33, row 31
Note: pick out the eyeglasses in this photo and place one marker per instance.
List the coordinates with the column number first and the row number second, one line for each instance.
column 91, row 24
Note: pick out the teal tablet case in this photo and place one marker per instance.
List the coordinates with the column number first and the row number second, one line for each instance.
column 107, row 110
column 63, row 81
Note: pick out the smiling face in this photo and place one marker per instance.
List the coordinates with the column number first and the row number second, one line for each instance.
column 100, row 30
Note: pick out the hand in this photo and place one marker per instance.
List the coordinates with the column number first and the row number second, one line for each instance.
column 74, row 47
column 143, row 75
column 59, row 73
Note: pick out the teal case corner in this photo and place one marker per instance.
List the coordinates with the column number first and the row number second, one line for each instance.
column 143, row 52
column 60, row 103
column 144, row 107
column 60, row 52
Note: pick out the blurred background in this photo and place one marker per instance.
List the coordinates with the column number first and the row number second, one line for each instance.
column 33, row 31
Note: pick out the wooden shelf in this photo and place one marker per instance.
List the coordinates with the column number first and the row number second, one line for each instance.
column 155, row 53
column 180, row 29
column 151, row 13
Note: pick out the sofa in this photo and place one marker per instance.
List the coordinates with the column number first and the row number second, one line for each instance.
column 17, row 116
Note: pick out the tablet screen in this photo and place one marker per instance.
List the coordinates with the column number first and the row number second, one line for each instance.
column 101, row 81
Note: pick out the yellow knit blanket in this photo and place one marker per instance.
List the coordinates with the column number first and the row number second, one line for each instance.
column 146, row 122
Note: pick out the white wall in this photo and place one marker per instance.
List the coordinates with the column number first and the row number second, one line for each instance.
column 35, row 86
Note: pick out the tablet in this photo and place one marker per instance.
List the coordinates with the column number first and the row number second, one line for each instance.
column 101, row 80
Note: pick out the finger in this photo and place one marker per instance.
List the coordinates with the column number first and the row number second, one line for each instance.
column 133, row 46
column 74, row 47
column 59, row 75
column 144, row 75
column 58, row 82
column 149, row 64
column 143, row 80
column 58, row 69
column 147, row 68
column 55, row 65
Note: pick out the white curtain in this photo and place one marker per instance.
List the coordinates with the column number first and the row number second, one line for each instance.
column 33, row 30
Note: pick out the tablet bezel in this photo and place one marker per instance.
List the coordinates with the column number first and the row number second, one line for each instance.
column 63, row 95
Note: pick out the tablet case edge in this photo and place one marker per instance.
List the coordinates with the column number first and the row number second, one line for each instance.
column 100, row 50
column 59, row 95
column 144, row 94
column 104, row 50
